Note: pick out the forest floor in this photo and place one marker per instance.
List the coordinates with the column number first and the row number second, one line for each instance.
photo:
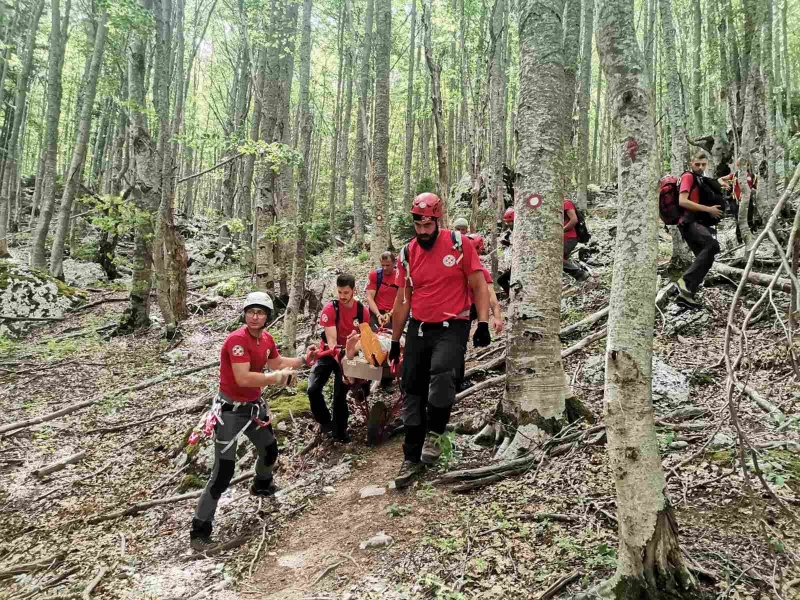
column 517, row 538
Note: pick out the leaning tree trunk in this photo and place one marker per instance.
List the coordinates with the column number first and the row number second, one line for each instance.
column 584, row 94
column 79, row 151
column 536, row 390
column 438, row 116
column 55, row 65
column 305, row 123
column 380, row 147
column 649, row 561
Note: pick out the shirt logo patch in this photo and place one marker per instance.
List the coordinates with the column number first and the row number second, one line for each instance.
column 237, row 351
column 324, row 318
column 449, row 260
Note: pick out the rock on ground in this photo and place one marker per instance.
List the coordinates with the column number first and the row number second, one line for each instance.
column 82, row 274
column 670, row 386
column 26, row 292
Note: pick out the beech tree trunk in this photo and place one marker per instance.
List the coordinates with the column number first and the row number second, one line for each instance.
column 438, row 116
column 337, row 130
column 55, row 65
column 344, row 142
column 408, row 192
column 572, row 35
column 497, row 102
column 697, row 86
column 362, row 127
column 536, row 390
column 306, row 123
column 584, row 100
column 79, row 151
column 380, row 148
column 649, row 560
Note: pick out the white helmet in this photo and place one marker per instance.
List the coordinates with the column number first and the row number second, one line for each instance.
column 460, row 222
column 258, row 299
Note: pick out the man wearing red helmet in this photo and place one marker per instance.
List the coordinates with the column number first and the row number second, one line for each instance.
column 434, row 278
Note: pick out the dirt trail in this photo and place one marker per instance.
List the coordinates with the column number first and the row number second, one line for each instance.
column 330, row 532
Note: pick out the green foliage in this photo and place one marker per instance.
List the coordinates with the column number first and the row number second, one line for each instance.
column 426, row 184
column 438, row 589
column 116, row 216
column 228, row 288
column 275, row 154
column 234, row 225
column 397, row 510
column 363, row 256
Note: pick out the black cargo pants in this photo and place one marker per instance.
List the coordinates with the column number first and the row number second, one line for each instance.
column 704, row 246
column 434, row 355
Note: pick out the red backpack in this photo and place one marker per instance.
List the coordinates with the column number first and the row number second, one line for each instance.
column 668, row 193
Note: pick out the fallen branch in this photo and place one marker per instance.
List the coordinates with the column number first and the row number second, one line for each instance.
column 559, row 585
column 16, row 318
column 481, row 386
column 584, row 323
column 137, row 508
column 761, row 279
column 325, row 572
column 50, row 562
column 148, row 420
column 93, row 583
column 759, row 401
column 50, row 584
column 208, row 170
column 98, row 303
column 4, row 429
column 585, row 342
column 498, row 362
column 70, row 460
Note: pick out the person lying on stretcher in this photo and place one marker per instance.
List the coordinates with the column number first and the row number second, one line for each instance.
column 371, row 347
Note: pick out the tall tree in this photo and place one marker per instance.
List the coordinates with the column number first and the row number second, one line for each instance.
column 571, row 45
column 649, row 561
column 584, row 100
column 306, row 123
column 409, row 148
column 362, row 126
column 536, row 390
column 497, row 102
column 437, row 108
column 11, row 159
column 344, row 144
column 79, row 151
column 380, row 146
column 697, row 75
column 55, row 66
column 337, row 128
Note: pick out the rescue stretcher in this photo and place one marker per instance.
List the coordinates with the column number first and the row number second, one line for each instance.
column 371, row 364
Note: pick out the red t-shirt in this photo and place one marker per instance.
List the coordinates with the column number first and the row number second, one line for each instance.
column 487, row 276
column 688, row 183
column 439, row 278
column 737, row 190
column 384, row 298
column 241, row 347
column 568, row 235
column 346, row 318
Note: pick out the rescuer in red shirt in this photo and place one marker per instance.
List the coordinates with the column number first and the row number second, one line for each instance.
column 239, row 410
column 381, row 290
column 570, row 241
column 435, row 273
column 339, row 319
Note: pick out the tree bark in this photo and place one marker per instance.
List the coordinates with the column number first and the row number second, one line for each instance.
column 536, row 391
column 649, row 559
column 306, row 122
column 497, row 103
column 380, row 147
column 55, row 65
column 438, row 116
column 584, row 100
column 769, row 194
column 596, row 133
column 337, row 131
column 79, row 151
column 344, row 142
column 408, row 196
column 572, row 34
column 697, row 86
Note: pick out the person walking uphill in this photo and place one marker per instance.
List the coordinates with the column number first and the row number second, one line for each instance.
column 339, row 319
column 435, row 273
column 381, row 290
column 238, row 409
column 570, row 241
column 700, row 200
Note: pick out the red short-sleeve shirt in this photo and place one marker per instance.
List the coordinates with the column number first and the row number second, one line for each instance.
column 348, row 319
column 439, row 278
column 688, row 184
column 487, row 277
column 568, row 235
column 241, row 347
column 384, row 297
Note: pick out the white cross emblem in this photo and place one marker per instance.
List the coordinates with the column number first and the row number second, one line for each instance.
column 449, row 260
column 237, row 351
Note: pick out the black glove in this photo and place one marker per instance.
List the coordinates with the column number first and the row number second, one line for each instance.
column 394, row 353
column 482, row 337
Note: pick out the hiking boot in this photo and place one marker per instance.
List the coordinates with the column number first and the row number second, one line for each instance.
column 200, row 535
column 342, row 438
column 409, row 470
column 685, row 295
column 326, row 429
column 581, row 276
column 432, row 449
column 263, row 487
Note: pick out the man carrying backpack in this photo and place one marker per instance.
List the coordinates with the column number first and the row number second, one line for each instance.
column 339, row 319
column 435, row 273
column 701, row 203
column 381, row 290
column 570, row 241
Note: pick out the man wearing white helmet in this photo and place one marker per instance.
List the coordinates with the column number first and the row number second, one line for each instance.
column 461, row 225
column 241, row 411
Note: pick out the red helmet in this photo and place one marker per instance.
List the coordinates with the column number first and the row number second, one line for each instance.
column 427, row 205
column 508, row 216
column 478, row 242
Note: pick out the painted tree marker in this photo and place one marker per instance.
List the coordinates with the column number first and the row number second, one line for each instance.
column 533, row 200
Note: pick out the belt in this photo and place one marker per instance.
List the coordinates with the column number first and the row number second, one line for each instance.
column 423, row 326
column 225, row 404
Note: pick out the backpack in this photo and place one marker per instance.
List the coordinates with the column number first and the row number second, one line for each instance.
column 455, row 237
column 669, row 187
column 379, row 281
column 580, row 228
column 359, row 316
